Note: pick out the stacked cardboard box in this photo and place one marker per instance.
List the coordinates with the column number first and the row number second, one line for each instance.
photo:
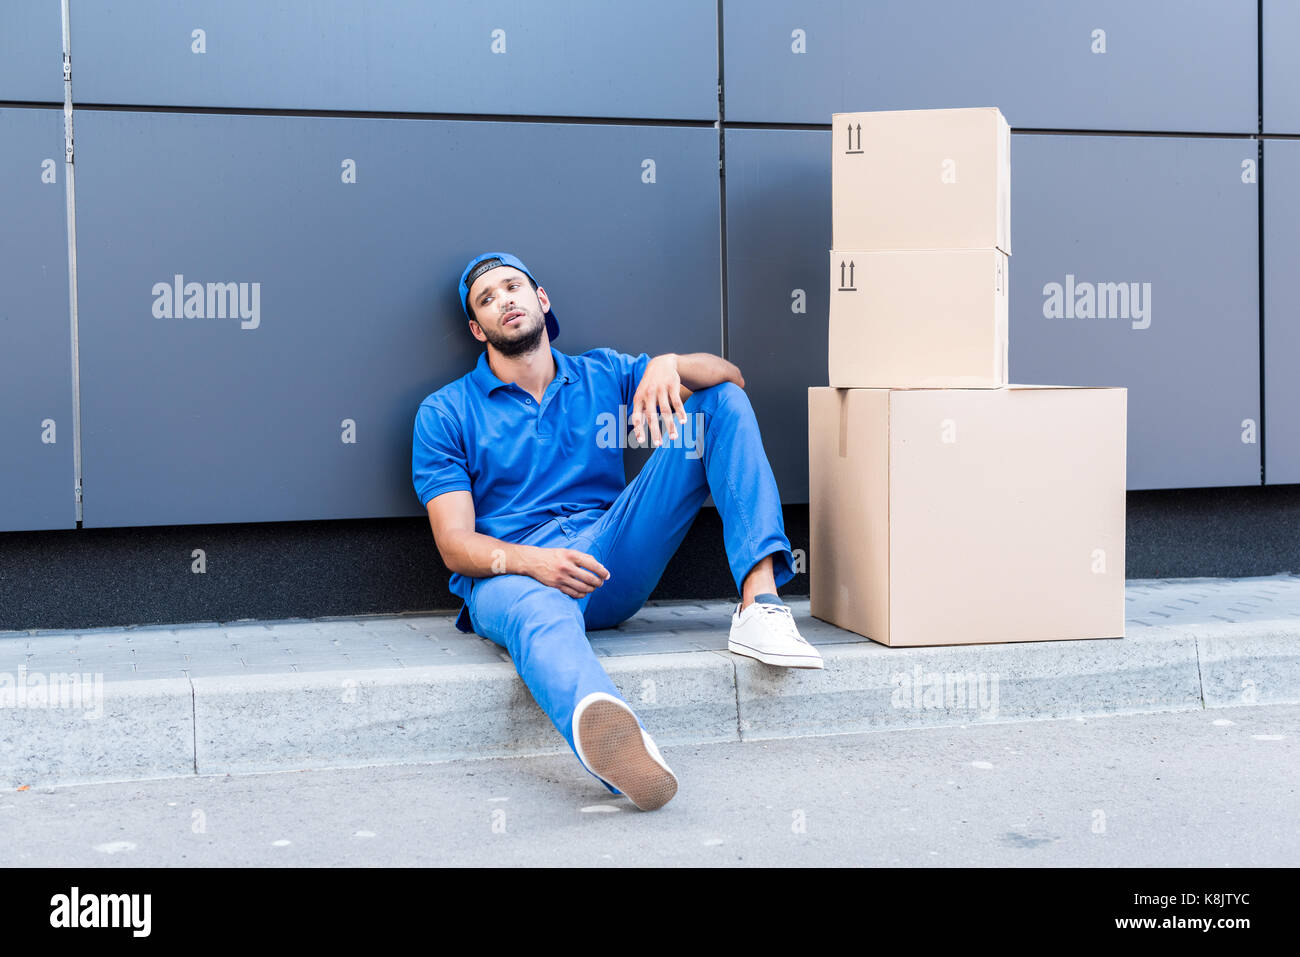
column 948, row 506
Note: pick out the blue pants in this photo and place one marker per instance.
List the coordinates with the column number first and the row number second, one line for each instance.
column 545, row 630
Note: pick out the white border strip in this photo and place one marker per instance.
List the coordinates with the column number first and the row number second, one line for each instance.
column 70, row 186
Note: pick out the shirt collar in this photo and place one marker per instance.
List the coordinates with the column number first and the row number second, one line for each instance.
column 488, row 381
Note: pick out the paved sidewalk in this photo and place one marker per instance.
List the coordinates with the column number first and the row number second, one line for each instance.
column 217, row 697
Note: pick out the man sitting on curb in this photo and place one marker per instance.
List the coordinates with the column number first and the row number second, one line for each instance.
column 545, row 538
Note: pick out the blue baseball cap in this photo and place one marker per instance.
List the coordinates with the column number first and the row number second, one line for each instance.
column 481, row 264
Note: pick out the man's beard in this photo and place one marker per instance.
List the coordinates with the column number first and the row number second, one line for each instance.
column 515, row 346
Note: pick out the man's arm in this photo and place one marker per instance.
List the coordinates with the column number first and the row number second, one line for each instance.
column 470, row 553
column 700, row 370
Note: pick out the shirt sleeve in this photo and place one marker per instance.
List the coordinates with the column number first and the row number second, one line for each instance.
column 438, row 462
column 631, row 369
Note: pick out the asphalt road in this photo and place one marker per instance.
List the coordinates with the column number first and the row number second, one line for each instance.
column 1199, row 788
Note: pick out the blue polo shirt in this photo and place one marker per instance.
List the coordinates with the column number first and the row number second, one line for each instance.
column 526, row 462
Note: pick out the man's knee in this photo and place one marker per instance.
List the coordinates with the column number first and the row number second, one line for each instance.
column 723, row 392
column 724, row 399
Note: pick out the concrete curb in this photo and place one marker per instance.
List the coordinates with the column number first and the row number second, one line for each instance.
column 133, row 729
column 871, row 687
column 392, row 715
column 385, row 715
column 1245, row 664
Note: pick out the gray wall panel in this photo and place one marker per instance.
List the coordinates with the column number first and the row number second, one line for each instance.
column 564, row 58
column 31, row 51
column 1173, row 212
column 1281, row 35
column 38, row 480
column 1281, row 311
column 1170, row 65
column 201, row 420
column 778, row 234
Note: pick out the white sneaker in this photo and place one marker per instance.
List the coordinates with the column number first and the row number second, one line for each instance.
column 768, row 633
column 614, row 747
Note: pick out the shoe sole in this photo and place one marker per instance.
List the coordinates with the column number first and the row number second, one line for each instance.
column 779, row 661
column 616, row 752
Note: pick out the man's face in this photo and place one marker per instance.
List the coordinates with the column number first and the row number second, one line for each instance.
column 510, row 314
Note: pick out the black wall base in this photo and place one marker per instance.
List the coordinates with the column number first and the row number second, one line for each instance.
column 91, row 578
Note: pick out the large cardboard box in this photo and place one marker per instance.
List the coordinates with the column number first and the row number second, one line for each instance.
column 967, row 516
column 921, row 179
column 918, row 318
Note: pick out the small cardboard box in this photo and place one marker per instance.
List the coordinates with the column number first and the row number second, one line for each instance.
column 968, row 516
column 918, row 318
column 921, row 179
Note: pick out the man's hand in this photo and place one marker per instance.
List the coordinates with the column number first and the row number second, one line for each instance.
column 573, row 572
column 660, row 390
